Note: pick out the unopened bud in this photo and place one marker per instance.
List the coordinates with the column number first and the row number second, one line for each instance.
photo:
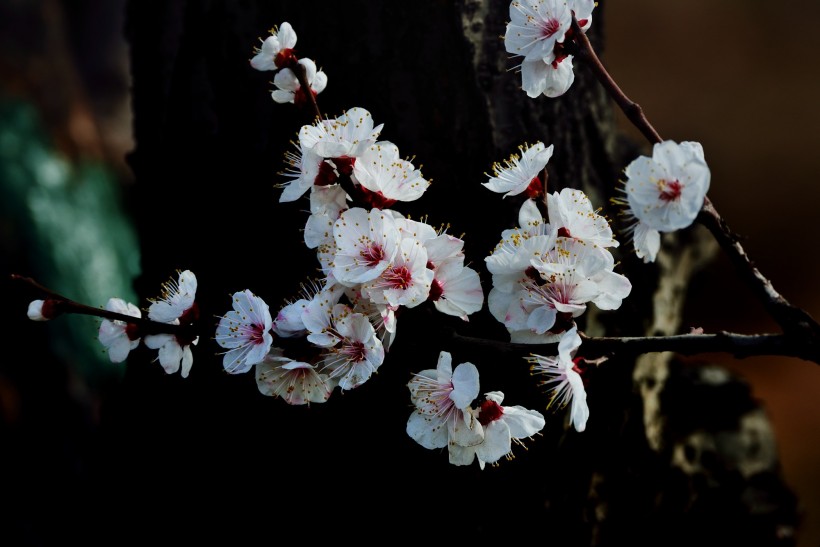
column 43, row 310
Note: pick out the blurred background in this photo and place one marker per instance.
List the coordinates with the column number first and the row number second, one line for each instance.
column 736, row 75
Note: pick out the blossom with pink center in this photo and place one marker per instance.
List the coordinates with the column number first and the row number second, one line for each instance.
column 442, row 399
column 557, row 289
column 562, row 379
column 406, row 281
column 277, row 49
column 386, row 177
column 119, row 337
column 571, row 213
column 245, row 332
column 502, row 426
column 366, row 242
column 357, row 354
column 535, row 27
column 297, row 382
column 289, row 90
column 666, row 192
column 521, row 172
column 456, row 289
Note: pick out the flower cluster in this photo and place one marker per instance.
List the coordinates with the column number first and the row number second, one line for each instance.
column 539, row 31
column 176, row 306
column 374, row 262
column 277, row 54
column 545, row 272
column 449, row 413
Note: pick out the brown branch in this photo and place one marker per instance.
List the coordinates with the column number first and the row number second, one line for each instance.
column 800, row 328
column 739, row 345
column 66, row 305
column 586, row 53
column 301, row 75
column 791, row 319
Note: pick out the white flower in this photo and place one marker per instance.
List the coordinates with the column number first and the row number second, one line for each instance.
column 297, row 382
column 174, row 353
column 366, row 243
column 358, row 352
column 563, row 381
column 117, row 336
column 535, row 27
column 406, row 281
column 551, row 79
column 303, row 168
column 456, row 289
column 276, row 50
column 571, row 213
column 557, row 289
column 521, row 172
column 349, row 135
column 245, row 332
column 502, row 425
column 177, row 298
column 177, row 306
column 442, row 399
column 382, row 172
column 288, row 89
column 666, row 191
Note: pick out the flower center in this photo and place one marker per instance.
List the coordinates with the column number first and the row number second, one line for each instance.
column 373, row 254
column 671, row 190
column 257, row 334
column 354, row 351
column 549, row 27
column 490, row 412
column 535, row 188
column 398, row 278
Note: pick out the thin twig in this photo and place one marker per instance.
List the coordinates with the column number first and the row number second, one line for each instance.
column 739, row 345
column 66, row 305
column 801, row 329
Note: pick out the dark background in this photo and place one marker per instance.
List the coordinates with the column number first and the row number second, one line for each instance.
column 703, row 71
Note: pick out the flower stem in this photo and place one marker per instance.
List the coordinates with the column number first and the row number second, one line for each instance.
column 795, row 322
column 66, row 305
column 633, row 110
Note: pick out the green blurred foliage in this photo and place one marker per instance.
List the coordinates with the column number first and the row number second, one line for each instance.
column 65, row 219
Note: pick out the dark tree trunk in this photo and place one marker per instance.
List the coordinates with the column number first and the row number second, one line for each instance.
column 210, row 454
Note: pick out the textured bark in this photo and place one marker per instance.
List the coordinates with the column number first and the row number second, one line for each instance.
column 671, row 456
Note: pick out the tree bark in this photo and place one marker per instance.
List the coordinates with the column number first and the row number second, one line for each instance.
column 672, row 454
